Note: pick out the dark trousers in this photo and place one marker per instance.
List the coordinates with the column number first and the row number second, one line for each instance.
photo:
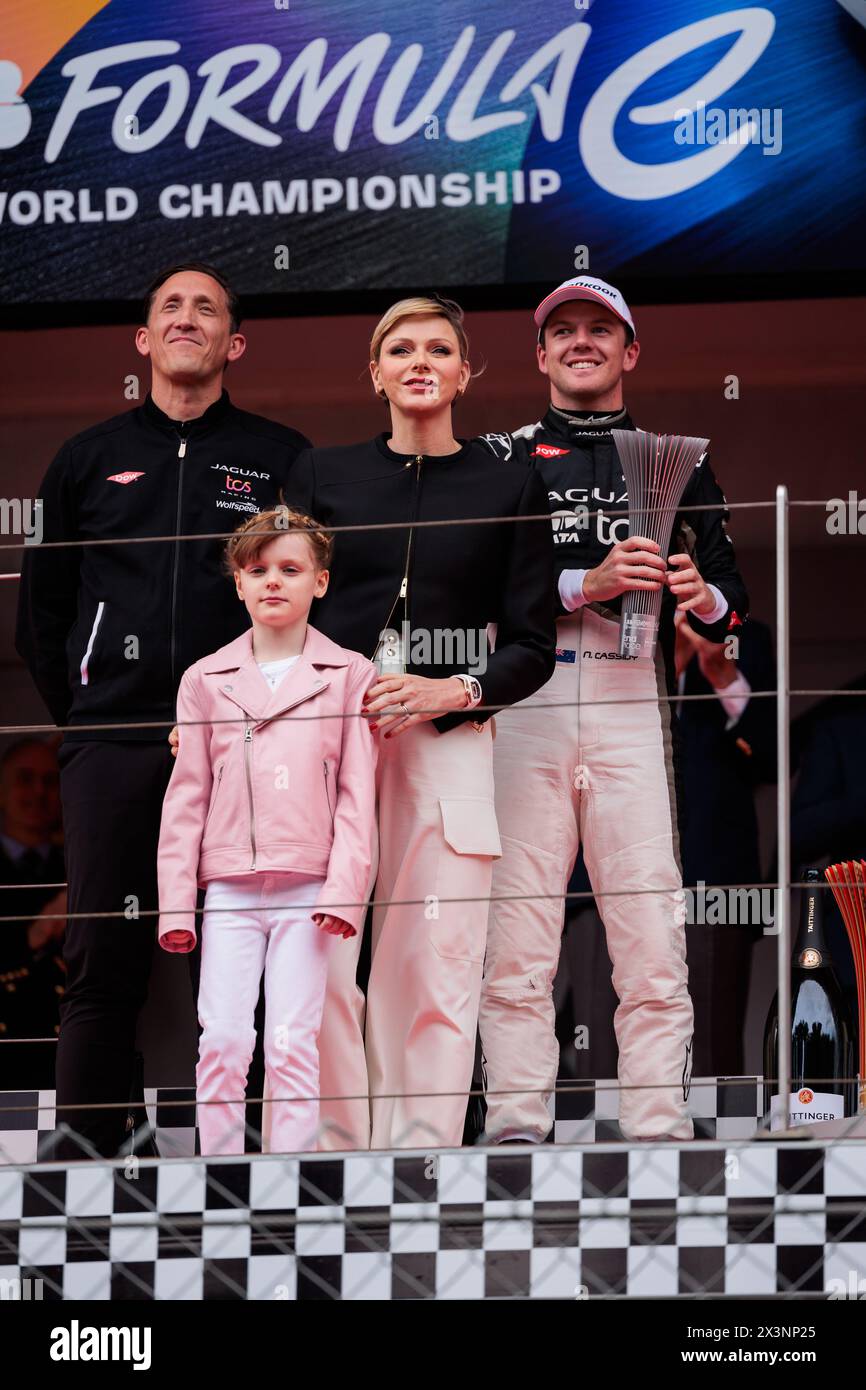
column 112, row 800
column 720, row 966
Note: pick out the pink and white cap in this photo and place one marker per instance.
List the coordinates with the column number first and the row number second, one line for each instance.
column 585, row 287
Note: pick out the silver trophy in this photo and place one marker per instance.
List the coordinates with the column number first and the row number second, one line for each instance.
column 656, row 468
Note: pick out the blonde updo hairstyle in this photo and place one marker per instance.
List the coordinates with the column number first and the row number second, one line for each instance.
column 447, row 309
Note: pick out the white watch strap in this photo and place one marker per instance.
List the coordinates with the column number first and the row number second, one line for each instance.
column 472, row 686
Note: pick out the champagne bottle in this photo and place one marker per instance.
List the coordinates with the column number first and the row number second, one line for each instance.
column 822, row 1038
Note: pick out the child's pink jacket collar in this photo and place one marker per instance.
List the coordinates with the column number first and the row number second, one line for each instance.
column 247, row 687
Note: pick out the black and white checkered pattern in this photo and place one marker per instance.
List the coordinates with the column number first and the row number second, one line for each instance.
column 550, row 1222
column 721, row 1107
column 585, row 1112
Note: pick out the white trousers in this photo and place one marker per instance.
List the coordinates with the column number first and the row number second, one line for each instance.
column 591, row 764
column 437, row 841
column 261, row 922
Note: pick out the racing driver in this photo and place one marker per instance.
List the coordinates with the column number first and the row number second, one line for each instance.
column 588, row 759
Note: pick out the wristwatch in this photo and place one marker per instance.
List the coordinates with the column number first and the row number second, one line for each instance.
column 472, row 686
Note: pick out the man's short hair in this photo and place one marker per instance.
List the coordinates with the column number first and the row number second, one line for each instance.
column 203, row 268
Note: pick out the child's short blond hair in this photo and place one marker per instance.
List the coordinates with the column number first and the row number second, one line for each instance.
column 250, row 539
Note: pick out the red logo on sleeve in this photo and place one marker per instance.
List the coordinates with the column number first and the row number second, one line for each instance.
column 735, row 620
column 123, row 477
column 548, row 451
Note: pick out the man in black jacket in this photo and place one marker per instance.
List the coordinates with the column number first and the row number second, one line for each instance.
column 107, row 631
column 594, row 764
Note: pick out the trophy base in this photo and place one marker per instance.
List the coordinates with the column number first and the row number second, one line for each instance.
column 638, row 634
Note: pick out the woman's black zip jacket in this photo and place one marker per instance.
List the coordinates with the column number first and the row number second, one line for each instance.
column 459, row 577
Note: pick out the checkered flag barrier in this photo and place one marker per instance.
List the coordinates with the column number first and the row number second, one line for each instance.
column 780, row 1219
column 557, row 1221
column 582, row 1111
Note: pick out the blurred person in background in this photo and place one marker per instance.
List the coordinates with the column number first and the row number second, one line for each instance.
column 32, row 887
column 828, row 808
column 727, row 750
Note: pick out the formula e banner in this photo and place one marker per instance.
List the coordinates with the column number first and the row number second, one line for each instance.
column 322, row 146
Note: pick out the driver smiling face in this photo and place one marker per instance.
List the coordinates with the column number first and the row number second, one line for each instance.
column 584, row 352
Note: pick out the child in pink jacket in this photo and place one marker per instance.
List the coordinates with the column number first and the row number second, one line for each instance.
column 271, row 808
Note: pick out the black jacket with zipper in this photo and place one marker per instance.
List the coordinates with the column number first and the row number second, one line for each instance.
column 459, row 577
column 108, row 630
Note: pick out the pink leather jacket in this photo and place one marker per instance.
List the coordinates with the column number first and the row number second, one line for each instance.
column 252, row 791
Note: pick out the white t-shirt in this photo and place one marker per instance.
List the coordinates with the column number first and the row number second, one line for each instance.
column 273, row 671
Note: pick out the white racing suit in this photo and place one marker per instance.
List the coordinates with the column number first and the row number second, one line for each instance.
column 570, row 771
column 589, row 760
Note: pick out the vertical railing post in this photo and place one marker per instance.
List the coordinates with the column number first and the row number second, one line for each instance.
column 783, row 805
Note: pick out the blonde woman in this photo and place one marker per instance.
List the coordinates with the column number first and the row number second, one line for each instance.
column 418, row 600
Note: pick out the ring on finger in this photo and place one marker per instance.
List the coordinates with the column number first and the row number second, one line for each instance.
column 405, row 708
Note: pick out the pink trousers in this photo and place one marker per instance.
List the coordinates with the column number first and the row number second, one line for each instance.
column 437, row 843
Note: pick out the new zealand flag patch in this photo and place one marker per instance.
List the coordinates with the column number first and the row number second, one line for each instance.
column 567, row 657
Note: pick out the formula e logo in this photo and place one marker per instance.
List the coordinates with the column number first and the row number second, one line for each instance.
column 237, row 485
column 123, row 477
column 548, row 451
